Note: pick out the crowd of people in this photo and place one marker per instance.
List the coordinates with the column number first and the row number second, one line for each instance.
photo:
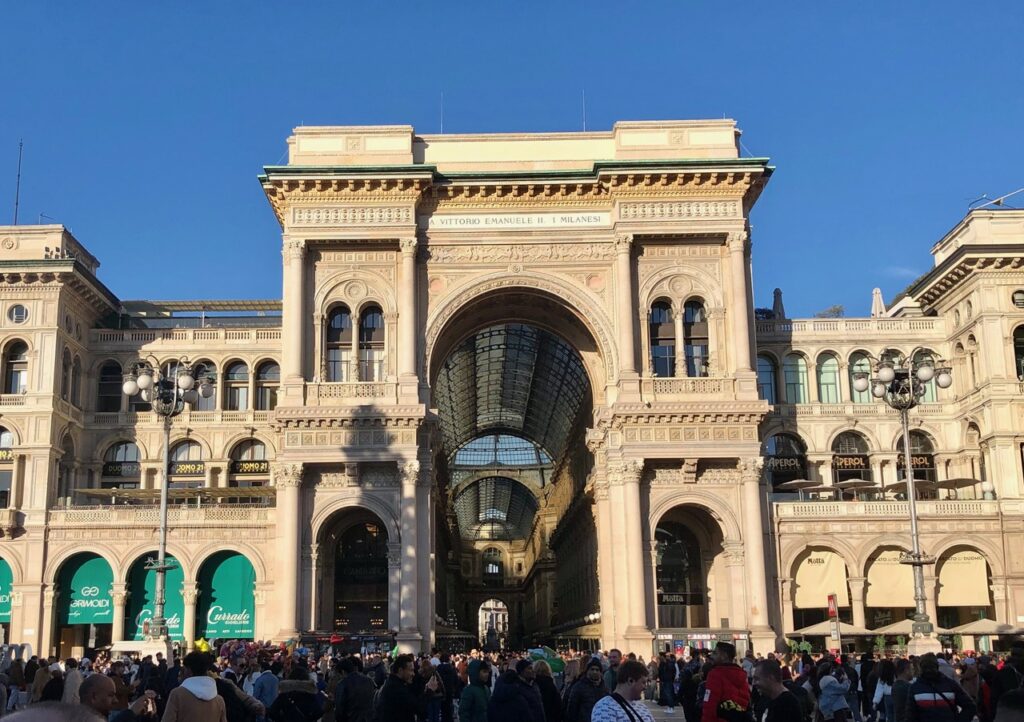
column 264, row 683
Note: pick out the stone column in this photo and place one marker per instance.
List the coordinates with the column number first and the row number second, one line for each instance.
column 610, row 630
column 47, row 636
column 857, row 585
column 118, row 594
column 624, row 302
column 407, row 311
column 314, row 596
column 189, row 595
column 288, row 480
column 812, row 382
column 845, row 391
column 652, row 574
column 739, row 585
column 740, row 303
column 394, row 585
column 931, row 595
column 646, row 360
column 293, row 319
column 424, row 578
column 761, row 635
column 786, row 589
column 677, row 320
column 624, row 480
column 409, row 638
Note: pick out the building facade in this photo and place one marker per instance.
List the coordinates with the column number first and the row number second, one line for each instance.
column 517, row 372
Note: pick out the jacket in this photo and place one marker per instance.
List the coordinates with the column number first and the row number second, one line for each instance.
column 832, row 696
column 475, row 696
column 900, row 700
column 396, row 701
column 725, row 682
column 264, row 688
column 935, row 699
column 353, row 698
column 195, row 700
column 297, row 701
column 583, row 695
column 549, row 697
column 511, row 701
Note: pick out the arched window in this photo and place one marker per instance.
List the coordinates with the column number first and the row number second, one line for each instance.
column 766, row 379
column 371, row 344
column 16, row 368
column 930, row 393
column 121, row 466
column 695, row 338
column 1018, row 351
column 680, row 576
column 6, row 466
column 108, row 392
column 794, row 371
column 187, row 466
column 494, row 568
column 66, row 472
column 785, row 459
column 249, row 467
column 205, row 370
column 828, row 379
column 859, row 363
column 65, row 375
column 268, row 379
column 850, row 458
column 922, row 456
column 663, row 340
column 236, row 382
column 339, row 344
column 76, row 381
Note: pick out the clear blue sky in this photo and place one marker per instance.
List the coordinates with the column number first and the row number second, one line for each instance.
column 145, row 124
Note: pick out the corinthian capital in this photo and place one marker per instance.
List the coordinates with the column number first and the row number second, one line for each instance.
column 627, row 471
column 737, row 240
column 750, row 468
column 623, row 242
column 293, row 250
column 410, row 471
column 408, row 245
column 287, row 476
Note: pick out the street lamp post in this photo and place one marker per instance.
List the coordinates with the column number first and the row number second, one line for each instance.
column 901, row 381
column 168, row 397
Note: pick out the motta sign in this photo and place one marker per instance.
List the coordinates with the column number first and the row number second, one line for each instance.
column 524, row 221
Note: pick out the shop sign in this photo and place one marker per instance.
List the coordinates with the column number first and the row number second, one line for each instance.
column 142, row 600
column 232, row 623
column 6, row 582
column 784, row 463
column 188, row 468
column 85, row 596
column 920, row 461
column 250, row 467
column 685, row 599
column 833, row 606
column 122, row 468
column 227, row 601
column 6, row 454
column 851, row 461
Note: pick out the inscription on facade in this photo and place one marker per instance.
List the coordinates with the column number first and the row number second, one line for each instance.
column 497, row 221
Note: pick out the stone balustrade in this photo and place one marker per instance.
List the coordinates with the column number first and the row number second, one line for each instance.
column 116, row 419
column 954, row 508
column 128, row 515
column 204, row 337
column 845, row 328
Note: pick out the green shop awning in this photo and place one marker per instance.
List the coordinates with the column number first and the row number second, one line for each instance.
column 227, row 605
column 6, row 581
column 85, row 582
column 142, row 599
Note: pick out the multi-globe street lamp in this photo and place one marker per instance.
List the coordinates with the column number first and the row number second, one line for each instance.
column 901, row 382
column 168, row 395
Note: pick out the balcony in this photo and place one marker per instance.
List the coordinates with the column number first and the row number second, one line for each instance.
column 9, row 400
column 184, row 337
column 10, row 521
column 942, row 508
column 682, row 389
column 117, row 419
column 351, row 393
column 868, row 410
column 125, row 515
column 848, row 329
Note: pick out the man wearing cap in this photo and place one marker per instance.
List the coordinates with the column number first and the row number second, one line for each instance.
column 585, row 692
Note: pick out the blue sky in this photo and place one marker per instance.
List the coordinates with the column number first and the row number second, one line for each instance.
column 145, row 124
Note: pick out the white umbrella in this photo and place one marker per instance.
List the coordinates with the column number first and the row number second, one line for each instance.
column 877, row 304
column 980, row 627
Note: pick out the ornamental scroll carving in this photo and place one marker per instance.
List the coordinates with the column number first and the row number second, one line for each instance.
column 627, row 471
column 623, row 242
column 352, row 215
column 508, row 253
column 673, row 210
column 287, row 476
column 408, row 245
column 293, row 250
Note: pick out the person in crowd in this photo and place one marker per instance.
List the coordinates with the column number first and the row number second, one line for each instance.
column 857, row 685
column 476, row 695
column 239, row 706
column 726, row 685
column 97, row 692
column 544, row 681
column 196, row 698
column 934, row 697
column 882, row 702
column 1011, row 706
column 1011, row 676
column 614, row 660
column 353, row 695
column 651, row 693
column 55, row 712
column 298, row 699
column 396, row 701
column 624, row 703
column 667, row 682
column 72, row 681
column 53, row 690
column 451, row 684
column 903, row 676
column 265, row 686
column 513, row 698
column 781, row 704
column 429, row 700
column 585, row 692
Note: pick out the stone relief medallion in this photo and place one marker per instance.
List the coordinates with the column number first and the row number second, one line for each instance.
column 515, row 268
column 680, row 285
column 9, row 244
column 436, row 284
column 595, row 282
column 355, row 290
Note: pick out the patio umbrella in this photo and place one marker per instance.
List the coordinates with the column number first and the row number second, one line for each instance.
column 798, row 485
column 919, row 485
column 961, row 483
column 904, row 627
column 856, row 485
column 823, row 629
column 980, row 627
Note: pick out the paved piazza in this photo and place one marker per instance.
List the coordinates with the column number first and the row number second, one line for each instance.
column 517, row 390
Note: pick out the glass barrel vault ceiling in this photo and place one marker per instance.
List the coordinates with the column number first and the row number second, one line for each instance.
column 508, row 398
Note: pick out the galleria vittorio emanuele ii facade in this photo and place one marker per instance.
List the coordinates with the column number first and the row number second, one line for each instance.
column 516, row 384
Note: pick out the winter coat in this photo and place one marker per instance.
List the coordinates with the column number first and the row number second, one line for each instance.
column 264, row 688
column 396, row 701
column 511, row 701
column 582, row 697
column 725, row 682
column 475, row 696
column 832, row 696
column 353, row 698
column 195, row 700
column 298, row 700
column 549, row 698
column 935, row 699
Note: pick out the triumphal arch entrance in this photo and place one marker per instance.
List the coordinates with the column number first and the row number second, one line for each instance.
column 517, row 395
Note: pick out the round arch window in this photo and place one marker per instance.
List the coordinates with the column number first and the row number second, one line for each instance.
column 17, row 313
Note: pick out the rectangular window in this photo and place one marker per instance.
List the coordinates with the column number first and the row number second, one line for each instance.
column 5, row 488
column 371, row 364
column 696, row 360
column 266, row 398
column 338, row 365
column 829, row 389
column 238, row 398
column 663, row 359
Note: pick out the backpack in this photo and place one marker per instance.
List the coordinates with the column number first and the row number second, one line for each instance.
column 234, row 708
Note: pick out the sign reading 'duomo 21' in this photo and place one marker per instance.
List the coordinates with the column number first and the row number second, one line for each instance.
column 521, row 221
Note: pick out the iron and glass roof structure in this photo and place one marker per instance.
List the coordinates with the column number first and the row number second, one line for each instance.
column 496, row 509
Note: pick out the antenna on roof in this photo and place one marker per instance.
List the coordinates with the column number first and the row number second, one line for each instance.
column 17, row 183
column 584, row 110
column 1000, row 201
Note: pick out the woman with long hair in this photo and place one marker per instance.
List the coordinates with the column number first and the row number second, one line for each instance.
column 882, row 699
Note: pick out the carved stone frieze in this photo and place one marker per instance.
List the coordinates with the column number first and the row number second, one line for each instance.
column 694, row 432
column 681, row 209
column 373, row 437
column 352, row 215
column 719, row 472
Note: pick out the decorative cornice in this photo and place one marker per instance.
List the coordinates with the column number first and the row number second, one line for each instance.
column 688, row 412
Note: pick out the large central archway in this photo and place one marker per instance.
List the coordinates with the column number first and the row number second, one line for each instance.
column 515, row 375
